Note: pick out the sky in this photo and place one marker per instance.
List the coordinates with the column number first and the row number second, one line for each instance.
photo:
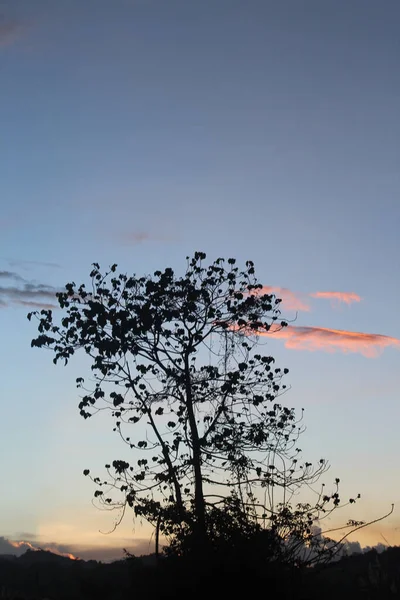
column 140, row 131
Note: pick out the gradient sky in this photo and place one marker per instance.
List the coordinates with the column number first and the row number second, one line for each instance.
column 139, row 131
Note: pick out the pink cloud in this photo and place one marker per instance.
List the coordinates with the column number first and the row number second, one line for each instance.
column 369, row 345
column 297, row 302
column 290, row 300
column 346, row 297
column 139, row 237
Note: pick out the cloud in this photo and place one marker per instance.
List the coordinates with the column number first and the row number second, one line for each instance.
column 21, row 292
column 19, row 547
column 351, row 547
column 346, row 297
column 134, row 238
column 9, row 32
column 27, row 264
column 11, row 275
column 297, row 302
column 140, row 547
column 38, row 305
column 369, row 345
column 26, row 535
column 137, row 237
column 290, row 300
column 6, row 547
column 91, row 552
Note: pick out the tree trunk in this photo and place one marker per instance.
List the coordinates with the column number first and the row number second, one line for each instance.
column 157, row 541
column 199, row 503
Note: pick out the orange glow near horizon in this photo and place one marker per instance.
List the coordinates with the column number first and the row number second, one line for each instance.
column 28, row 545
column 21, row 544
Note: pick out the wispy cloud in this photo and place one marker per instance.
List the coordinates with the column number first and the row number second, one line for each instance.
column 345, row 297
column 297, row 301
column 290, row 300
column 9, row 31
column 38, row 305
column 27, row 264
column 134, row 238
column 11, row 275
column 26, row 535
column 369, row 345
column 18, row 291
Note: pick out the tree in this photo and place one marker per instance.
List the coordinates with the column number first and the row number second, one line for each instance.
column 177, row 362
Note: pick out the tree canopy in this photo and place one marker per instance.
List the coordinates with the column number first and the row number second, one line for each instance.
column 178, row 362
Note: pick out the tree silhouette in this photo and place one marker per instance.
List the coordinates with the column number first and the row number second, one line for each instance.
column 177, row 362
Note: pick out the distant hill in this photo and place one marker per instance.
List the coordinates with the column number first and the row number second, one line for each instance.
column 8, row 557
column 39, row 574
column 44, row 556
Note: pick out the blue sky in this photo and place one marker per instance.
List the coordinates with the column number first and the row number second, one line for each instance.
column 140, row 131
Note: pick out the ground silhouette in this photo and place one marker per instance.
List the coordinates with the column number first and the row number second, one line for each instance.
column 40, row 574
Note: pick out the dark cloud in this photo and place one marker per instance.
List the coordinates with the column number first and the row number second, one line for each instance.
column 10, row 275
column 348, row 548
column 351, row 548
column 379, row 548
column 22, row 292
column 9, row 547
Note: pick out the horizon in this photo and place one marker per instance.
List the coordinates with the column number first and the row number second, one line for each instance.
column 140, row 132
column 112, row 554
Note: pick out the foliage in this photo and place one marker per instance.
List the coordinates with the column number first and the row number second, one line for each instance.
column 177, row 362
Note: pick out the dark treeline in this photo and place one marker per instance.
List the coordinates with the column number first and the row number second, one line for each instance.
column 38, row 574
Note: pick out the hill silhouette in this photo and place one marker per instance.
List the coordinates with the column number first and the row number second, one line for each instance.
column 41, row 574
